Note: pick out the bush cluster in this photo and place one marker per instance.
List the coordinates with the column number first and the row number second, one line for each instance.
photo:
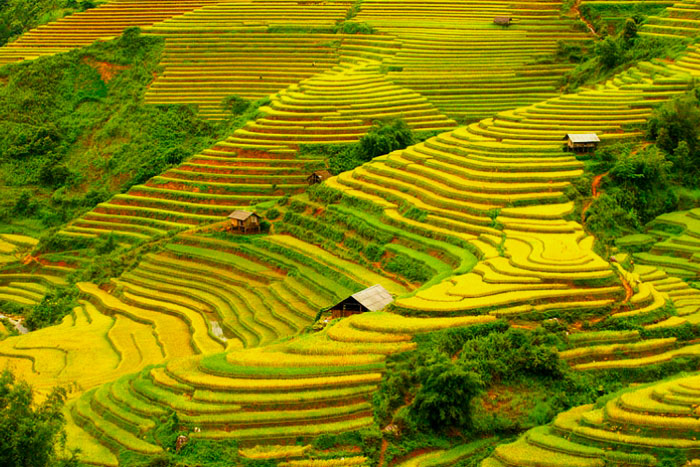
column 73, row 134
column 382, row 138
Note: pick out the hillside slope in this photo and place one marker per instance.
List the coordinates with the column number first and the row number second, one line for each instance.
column 210, row 330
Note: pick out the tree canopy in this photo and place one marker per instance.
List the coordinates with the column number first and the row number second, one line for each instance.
column 32, row 434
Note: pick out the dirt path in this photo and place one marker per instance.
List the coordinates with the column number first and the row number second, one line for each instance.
column 577, row 9
column 595, row 185
column 16, row 323
column 385, row 443
column 628, row 289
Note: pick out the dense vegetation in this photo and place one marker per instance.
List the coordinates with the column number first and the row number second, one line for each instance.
column 613, row 53
column 75, row 129
column 382, row 138
column 32, row 434
column 641, row 181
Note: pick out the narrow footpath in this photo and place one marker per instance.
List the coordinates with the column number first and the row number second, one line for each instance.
column 16, row 323
column 589, row 25
column 595, row 185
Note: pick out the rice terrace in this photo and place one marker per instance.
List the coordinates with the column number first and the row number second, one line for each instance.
column 328, row 233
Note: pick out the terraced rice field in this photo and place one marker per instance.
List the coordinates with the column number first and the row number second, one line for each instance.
column 241, row 295
column 203, row 67
column 227, row 48
column 679, row 21
column 649, row 306
column 203, row 326
column 260, row 162
column 630, row 429
column 56, row 355
column 102, row 23
column 675, row 244
column 614, row 13
column 514, row 166
column 23, row 284
column 319, row 383
column 536, row 262
column 453, row 54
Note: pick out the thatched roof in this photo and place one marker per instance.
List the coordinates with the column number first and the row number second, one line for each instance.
column 240, row 215
column 323, row 174
column 502, row 20
column 582, row 137
column 374, row 298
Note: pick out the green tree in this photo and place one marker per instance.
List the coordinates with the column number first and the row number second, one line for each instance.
column 385, row 137
column 443, row 398
column 54, row 306
column 629, row 33
column 609, row 52
column 675, row 121
column 30, row 434
column 675, row 126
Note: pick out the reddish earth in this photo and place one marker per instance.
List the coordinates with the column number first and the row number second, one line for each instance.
column 109, row 288
column 628, row 289
column 60, row 264
column 595, row 185
column 577, row 9
column 29, row 258
column 106, row 70
column 411, row 455
column 254, row 170
column 385, row 443
column 251, row 153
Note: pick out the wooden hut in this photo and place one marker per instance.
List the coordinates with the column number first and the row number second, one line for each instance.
column 582, row 142
column 502, row 20
column 371, row 299
column 318, row 177
column 244, row 222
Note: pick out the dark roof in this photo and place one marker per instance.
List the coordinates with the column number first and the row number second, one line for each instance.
column 583, row 137
column 241, row 215
column 373, row 298
column 502, row 19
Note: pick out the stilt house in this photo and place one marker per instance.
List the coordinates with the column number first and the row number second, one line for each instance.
column 244, row 222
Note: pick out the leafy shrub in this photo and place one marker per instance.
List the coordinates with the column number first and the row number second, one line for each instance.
column 297, row 206
column 675, row 126
column 416, row 214
column 446, row 387
column 510, row 355
column 32, row 432
column 53, row 307
column 637, row 189
column 354, row 27
column 407, row 267
column 382, row 138
column 236, row 105
column 374, row 252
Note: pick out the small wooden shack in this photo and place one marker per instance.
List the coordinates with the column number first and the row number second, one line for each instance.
column 244, row 222
column 582, row 142
column 502, row 20
column 318, row 177
column 371, row 299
